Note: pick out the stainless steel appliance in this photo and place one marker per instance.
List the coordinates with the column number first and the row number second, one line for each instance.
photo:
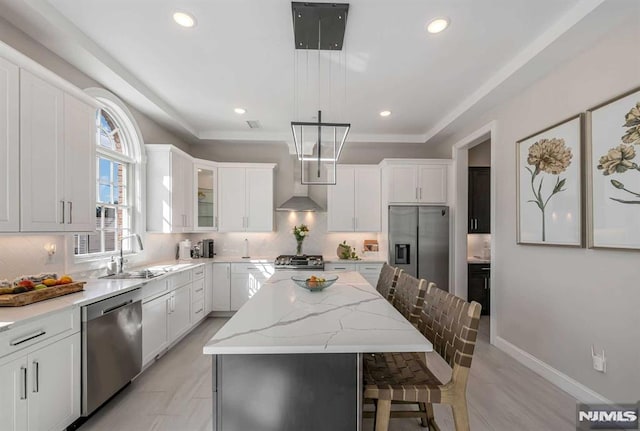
column 299, row 262
column 111, row 347
column 419, row 242
column 207, row 248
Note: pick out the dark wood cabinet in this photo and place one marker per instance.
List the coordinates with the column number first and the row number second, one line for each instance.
column 479, row 286
column 479, row 200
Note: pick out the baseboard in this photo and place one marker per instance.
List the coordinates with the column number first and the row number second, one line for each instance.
column 564, row 382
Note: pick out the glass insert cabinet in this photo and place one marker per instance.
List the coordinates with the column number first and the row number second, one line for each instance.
column 206, row 180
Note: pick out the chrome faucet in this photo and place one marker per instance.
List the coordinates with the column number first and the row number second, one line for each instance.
column 121, row 258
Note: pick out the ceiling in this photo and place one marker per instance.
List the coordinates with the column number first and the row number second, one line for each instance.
column 240, row 54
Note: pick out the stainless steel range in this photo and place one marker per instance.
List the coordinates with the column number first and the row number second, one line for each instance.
column 299, row 262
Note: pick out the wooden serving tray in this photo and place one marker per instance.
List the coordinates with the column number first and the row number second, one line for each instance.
column 26, row 298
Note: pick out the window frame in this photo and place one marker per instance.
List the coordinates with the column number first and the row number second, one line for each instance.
column 133, row 157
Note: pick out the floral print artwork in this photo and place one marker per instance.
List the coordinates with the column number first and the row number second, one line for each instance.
column 552, row 157
column 620, row 159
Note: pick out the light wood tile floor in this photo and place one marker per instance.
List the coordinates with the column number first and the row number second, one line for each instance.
column 174, row 394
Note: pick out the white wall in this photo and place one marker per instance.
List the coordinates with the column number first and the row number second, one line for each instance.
column 554, row 302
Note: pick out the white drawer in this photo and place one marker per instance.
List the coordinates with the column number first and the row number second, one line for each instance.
column 340, row 267
column 198, row 272
column 154, row 288
column 369, row 268
column 197, row 311
column 39, row 330
column 197, row 291
column 180, row 279
column 265, row 269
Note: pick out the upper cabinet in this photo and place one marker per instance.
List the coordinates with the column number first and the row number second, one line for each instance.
column 57, row 158
column 9, row 147
column 416, row 181
column 245, row 193
column 479, row 200
column 170, row 188
column 205, row 196
column 353, row 203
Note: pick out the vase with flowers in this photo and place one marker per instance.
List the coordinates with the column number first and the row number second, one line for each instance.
column 300, row 233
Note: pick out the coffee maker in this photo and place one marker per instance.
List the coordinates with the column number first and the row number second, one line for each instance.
column 207, row 250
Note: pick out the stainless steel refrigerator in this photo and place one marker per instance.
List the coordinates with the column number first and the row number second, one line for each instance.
column 419, row 242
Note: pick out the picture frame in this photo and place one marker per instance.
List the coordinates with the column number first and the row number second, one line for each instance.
column 550, row 185
column 613, row 175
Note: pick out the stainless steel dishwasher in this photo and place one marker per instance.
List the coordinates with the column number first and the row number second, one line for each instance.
column 111, row 347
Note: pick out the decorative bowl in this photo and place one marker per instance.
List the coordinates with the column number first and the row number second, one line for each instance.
column 314, row 285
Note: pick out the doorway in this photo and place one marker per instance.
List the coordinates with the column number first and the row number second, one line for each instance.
column 474, row 220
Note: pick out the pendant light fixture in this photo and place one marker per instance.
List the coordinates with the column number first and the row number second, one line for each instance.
column 319, row 64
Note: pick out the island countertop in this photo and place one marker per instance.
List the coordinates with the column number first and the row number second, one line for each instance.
column 348, row 317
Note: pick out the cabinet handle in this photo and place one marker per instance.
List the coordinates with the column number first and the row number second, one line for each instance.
column 485, row 283
column 475, row 222
column 23, row 391
column 62, row 205
column 486, row 268
column 200, row 311
column 27, row 338
column 70, row 212
column 36, row 376
column 200, row 290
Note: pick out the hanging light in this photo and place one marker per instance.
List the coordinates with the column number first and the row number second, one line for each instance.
column 318, row 27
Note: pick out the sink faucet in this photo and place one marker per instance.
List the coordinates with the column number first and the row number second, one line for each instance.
column 121, row 258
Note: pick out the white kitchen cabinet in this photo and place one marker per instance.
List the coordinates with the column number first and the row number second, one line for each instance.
column 221, row 282
column 208, row 288
column 353, row 204
column 179, row 312
column 339, row 266
column 40, row 391
column 13, row 393
column 198, row 295
column 54, row 385
column 245, row 198
column 155, row 337
column 370, row 272
column 246, row 280
column 57, row 159
column 205, row 196
column 169, row 189
column 9, row 147
column 416, row 181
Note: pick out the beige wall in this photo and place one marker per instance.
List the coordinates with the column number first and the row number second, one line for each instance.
column 554, row 302
column 480, row 155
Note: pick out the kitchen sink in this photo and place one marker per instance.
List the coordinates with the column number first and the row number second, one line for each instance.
column 135, row 275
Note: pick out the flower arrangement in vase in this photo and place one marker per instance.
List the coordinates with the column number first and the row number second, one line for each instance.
column 300, row 233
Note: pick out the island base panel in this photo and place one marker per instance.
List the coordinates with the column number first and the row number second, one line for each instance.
column 287, row 392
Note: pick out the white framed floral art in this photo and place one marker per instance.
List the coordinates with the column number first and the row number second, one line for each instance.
column 614, row 173
column 549, row 185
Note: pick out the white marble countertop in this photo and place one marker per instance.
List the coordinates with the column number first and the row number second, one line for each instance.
column 348, row 317
column 95, row 290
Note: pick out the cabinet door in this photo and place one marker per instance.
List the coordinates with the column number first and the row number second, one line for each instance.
column 331, row 266
column 154, row 327
column 231, row 192
column 403, row 184
column 367, row 199
column 340, row 201
column 479, row 286
column 180, row 315
column 432, row 188
column 14, row 395
column 206, row 194
column 259, row 200
column 79, row 172
column 221, row 281
column 41, row 156
column 245, row 285
column 177, row 198
column 54, row 385
column 479, row 200
column 186, row 193
column 9, row 147
column 208, row 288
column 370, row 272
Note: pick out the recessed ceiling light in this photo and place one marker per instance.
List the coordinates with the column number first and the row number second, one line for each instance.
column 240, row 111
column 437, row 25
column 385, row 113
column 184, row 19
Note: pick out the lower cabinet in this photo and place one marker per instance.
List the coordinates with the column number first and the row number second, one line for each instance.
column 40, row 391
column 479, row 285
column 370, row 271
column 179, row 312
column 155, row 338
column 221, row 282
column 246, row 280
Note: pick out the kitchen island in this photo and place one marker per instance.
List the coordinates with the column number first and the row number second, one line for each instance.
column 290, row 359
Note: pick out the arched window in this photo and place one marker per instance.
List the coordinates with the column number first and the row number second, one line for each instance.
column 118, row 156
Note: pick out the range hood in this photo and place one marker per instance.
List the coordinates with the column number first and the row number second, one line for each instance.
column 300, row 201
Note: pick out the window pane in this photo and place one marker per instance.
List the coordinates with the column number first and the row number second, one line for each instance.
column 109, row 240
column 104, row 171
column 104, row 194
column 87, row 243
column 110, row 218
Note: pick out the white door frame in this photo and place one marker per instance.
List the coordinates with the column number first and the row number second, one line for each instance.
column 460, row 155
